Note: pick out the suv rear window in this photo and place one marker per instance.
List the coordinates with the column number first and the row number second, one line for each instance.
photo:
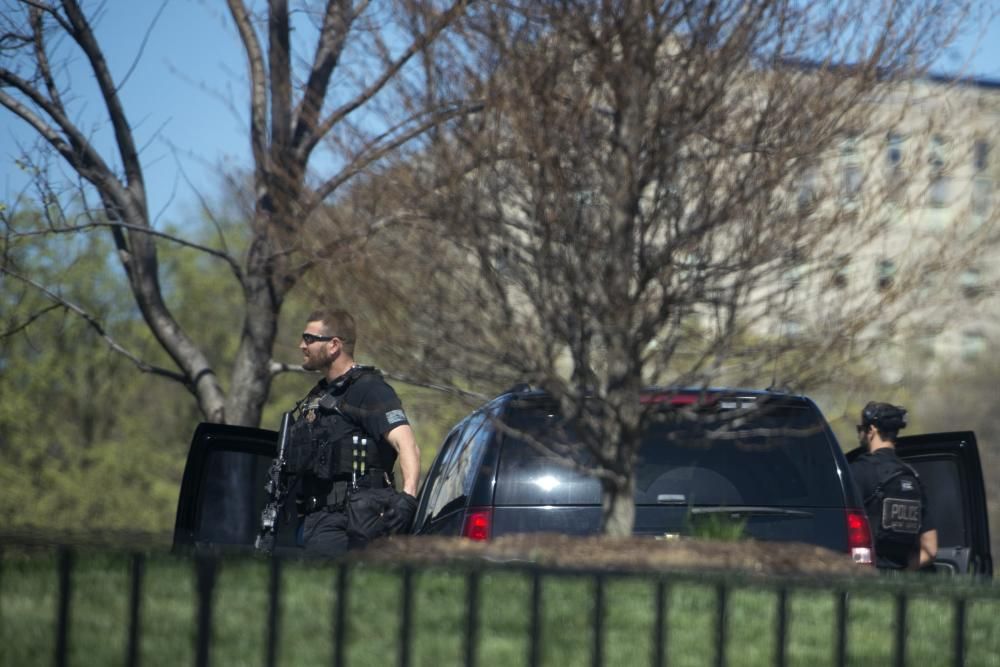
column 779, row 456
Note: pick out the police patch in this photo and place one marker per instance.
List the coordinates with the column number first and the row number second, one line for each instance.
column 395, row 417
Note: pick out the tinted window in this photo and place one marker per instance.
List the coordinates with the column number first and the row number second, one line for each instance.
column 781, row 457
column 458, row 468
column 430, row 484
column 941, row 479
column 527, row 475
column 232, row 496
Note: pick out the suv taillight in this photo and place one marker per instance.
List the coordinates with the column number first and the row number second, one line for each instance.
column 478, row 523
column 859, row 538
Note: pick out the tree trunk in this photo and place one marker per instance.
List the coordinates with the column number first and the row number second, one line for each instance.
column 618, row 507
column 621, row 443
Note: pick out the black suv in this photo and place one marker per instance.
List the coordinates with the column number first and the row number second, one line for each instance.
column 764, row 461
column 767, row 460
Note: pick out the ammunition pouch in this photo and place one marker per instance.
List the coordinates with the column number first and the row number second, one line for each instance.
column 323, row 451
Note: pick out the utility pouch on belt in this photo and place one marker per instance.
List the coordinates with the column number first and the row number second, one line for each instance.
column 375, row 513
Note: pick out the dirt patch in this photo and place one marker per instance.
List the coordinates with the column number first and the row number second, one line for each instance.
column 629, row 554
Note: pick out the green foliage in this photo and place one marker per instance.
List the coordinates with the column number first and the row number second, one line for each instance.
column 717, row 527
column 88, row 442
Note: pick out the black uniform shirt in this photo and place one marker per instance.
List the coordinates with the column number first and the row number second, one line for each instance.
column 864, row 470
column 374, row 405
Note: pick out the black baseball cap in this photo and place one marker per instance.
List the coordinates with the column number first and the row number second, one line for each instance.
column 885, row 416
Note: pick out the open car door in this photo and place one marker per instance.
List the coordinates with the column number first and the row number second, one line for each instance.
column 950, row 471
column 222, row 491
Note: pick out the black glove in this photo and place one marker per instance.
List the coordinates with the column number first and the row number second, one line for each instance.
column 375, row 513
column 399, row 515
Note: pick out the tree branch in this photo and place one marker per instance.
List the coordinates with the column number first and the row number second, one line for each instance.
column 141, row 229
column 99, row 328
column 258, row 85
column 84, row 37
column 337, row 21
column 418, row 44
column 362, row 161
column 74, row 148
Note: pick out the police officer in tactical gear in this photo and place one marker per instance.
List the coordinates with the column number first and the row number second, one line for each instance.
column 348, row 433
column 894, row 498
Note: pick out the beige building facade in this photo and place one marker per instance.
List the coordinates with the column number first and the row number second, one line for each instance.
column 919, row 258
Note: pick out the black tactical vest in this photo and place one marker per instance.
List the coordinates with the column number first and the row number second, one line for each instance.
column 324, row 437
column 895, row 507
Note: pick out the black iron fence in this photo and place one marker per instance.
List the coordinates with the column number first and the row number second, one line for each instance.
column 947, row 597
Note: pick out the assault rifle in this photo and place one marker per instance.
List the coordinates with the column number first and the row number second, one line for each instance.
column 277, row 490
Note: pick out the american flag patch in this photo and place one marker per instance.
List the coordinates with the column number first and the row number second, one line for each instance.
column 395, row 416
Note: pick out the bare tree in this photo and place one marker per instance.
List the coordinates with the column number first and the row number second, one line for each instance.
column 643, row 193
column 362, row 91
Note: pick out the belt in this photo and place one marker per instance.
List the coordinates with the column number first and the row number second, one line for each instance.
column 336, row 498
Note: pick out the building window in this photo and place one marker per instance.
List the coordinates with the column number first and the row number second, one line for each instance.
column 981, row 155
column 793, row 328
column 927, row 344
column 936, row 156
column 894, row 152
column 973, row 345
column 938, row 191
column 794, row 270
column 886, row 273
column 852, row 181
column 982, row 197
column 971, row 282
column 851, row 175
column 839, row 277
column 806, row 198
column 894, row 164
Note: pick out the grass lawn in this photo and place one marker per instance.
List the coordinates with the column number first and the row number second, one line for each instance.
column 101, row 586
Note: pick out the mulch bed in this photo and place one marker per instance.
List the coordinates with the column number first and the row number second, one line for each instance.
column 617, row 554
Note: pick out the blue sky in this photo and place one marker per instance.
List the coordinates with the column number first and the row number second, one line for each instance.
column 186, row 96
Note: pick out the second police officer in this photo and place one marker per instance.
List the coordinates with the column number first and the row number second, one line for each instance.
column 348, row 433
column 894, row 498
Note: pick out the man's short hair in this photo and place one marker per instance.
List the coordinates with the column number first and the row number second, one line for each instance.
column 337, row 323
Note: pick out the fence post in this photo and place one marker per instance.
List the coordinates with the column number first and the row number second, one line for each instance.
column 273, row 611
column 722, row 596
column 65, row 565
column 472, row 616
column 900, row 629
column 340, row 617
column 205, row 569
column 782, row 639
column 840, row 648
column 406, row 622
column 661, row 630
column 138, row 571
column 535, row 618
column 598, row 633
column 960, row 632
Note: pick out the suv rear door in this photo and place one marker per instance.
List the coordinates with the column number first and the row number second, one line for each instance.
column 784, row 484
column 222, row 491
column 949, row 467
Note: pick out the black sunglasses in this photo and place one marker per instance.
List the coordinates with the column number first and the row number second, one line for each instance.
column 309, row 338
column 861, row 429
